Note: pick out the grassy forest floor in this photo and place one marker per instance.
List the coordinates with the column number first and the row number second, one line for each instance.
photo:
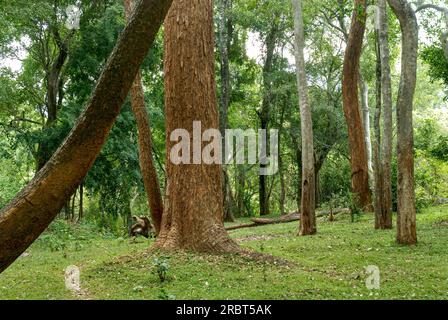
column 330, row 265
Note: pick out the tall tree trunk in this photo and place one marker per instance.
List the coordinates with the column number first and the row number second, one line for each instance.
column 193, row 206
column 365, row 111
column 356, row 134
column 225, row 40
column 147, row 167
column 406, row 220
column 264, row 114
column 378, row 171
column 281, row 172
column 387, row 138
column 33, row 209
column 307, row 207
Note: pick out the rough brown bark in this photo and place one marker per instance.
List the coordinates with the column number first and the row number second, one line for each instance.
column 358, row 159
column 33, row 209
column 406, row 218
column 147, row 166
column 307, row 207
column 193, row 206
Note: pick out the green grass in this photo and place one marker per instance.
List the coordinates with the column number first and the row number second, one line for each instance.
column 330, row 265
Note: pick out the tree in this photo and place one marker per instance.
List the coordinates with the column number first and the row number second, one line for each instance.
column 308, row 218
column 225, row 40
column 147, row 167
column 30, row 213
column 264, row 114
column 360, row 172
column 193, row 206
column 406, row 218
column 383, row 179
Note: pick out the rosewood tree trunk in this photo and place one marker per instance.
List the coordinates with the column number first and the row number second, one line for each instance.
column 193, row 213
column 147, row 167
column 33, row 209
column 307, row 208
column 358, row 159
column 406, row 218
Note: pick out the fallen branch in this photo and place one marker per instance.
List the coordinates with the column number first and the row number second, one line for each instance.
column 292, row 217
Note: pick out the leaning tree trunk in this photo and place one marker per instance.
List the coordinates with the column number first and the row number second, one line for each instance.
column 385, row 218
column 147, row 167
column 358, row 159
column 307, row 207
column 33, row 209
column 406, row 218
column 193, row 213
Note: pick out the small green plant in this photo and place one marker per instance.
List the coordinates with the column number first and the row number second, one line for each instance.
column 161, row 267
column 355, row 210
column 164, row 295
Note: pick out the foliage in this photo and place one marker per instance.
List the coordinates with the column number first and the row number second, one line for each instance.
column 161, row 268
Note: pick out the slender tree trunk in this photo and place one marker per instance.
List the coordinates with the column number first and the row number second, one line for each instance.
column 264, row 114
column 225, row 37
column 147, row 167
column 33, row 209
column 365, row 110
column 378, row 170
column 360, row 170
column 241, row 184
column 406, row 221
column 307, row 208
column 281, row 170
column 81, row 202
column 298, row 159
column 387, row 138
column 193, row 206
column 72, row 211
